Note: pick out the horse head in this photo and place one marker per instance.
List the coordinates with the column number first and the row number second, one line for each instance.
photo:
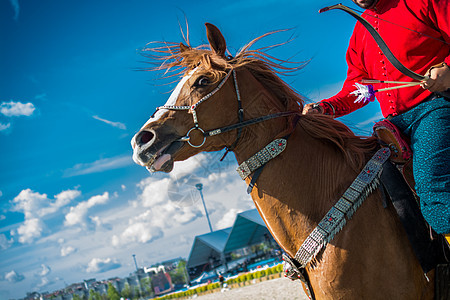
column 205, row 101
column 165, row 136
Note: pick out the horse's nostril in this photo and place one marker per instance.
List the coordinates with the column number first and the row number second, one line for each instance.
column 145, row 137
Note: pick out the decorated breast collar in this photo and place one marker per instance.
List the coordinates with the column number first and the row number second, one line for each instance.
column 336, row 218
column 256, row 163
column 272, row 150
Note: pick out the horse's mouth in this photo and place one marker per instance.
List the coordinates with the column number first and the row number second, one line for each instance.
column 161, row 160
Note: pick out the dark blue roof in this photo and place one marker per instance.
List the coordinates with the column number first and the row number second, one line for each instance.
column 248, row 229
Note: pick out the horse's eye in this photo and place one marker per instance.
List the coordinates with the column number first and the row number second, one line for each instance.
column 202, row 81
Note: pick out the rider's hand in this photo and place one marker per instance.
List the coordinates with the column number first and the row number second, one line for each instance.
column 312, row 108
column 439, row 80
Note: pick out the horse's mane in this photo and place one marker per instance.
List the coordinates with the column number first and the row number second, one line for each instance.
column 177, row 59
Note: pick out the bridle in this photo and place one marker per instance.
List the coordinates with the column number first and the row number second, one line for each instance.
column 208, row 133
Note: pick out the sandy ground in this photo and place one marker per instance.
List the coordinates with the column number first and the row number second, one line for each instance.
column 280, row 288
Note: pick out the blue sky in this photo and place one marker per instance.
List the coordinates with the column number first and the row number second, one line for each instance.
column 73, row 205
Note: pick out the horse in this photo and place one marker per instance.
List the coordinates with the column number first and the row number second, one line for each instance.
column 241, row 103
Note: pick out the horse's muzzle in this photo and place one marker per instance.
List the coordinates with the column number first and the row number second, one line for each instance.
column 142, row 143
column 155, row 154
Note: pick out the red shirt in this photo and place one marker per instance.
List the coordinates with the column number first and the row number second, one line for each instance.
column 418, row 50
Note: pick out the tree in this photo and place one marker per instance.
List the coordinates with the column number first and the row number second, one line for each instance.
column 113, row 294
column 126, row 291
column 146, row 285
column 76, row 297
column 93, row 295
column 178, row 275
column 137, row 293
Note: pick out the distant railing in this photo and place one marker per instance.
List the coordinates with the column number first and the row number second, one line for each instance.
column 258, row 275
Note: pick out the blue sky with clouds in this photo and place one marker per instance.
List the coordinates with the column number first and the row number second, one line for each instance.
column 73, row 205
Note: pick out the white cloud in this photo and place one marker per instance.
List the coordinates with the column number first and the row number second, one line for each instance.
column 113, row 124
column 100, row 165
column 43, row 279
column 67, row 250
column 17, row 109
column 30, row 230
column 13, row 277
column 61, row 200
column 4, row 126
column 173, row 201
column 78, row 214
column 44, row 282
column 16, row 7
column 153, row 192
column 45, row 270
column 180, row 186
column 162, row 213
column 35, row 204
column 140, row 232
column 189, row 166
column 65, row 197
column 170, row 202
column 29, row 202
column 98, row 265
column 4, row 242
column 164, row 209
column 228, row 218
column 140, row 229
column 99, row 224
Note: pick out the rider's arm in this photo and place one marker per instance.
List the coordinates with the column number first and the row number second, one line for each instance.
column 343, row 102
column 439, row 15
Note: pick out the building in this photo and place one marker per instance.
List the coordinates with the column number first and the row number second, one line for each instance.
column 222, row 247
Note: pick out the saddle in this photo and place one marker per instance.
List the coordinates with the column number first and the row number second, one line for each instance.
column 389, row 135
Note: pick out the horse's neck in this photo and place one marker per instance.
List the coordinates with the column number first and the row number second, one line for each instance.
column 258, row 102
column 298, row 187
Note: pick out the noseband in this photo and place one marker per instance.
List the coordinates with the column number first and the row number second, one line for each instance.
column 238, row 126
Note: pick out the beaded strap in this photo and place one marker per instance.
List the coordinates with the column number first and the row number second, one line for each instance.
column 272, row 150
column 335, row 219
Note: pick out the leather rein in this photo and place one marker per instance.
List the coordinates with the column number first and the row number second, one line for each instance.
column 241, row 124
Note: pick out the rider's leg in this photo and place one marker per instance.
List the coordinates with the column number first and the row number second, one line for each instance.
column 428, row 126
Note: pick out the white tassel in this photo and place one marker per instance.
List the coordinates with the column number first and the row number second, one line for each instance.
column 365, row 93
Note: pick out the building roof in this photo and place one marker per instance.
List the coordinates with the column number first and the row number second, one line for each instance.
column 248, row 229
column 206, row 246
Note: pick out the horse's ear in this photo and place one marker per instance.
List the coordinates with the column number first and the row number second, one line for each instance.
column 183, row 47
column 216, row 39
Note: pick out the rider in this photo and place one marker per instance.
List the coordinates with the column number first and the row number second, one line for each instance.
column 418, row 33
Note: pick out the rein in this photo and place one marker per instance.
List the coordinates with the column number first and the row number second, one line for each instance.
column 241, row 124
